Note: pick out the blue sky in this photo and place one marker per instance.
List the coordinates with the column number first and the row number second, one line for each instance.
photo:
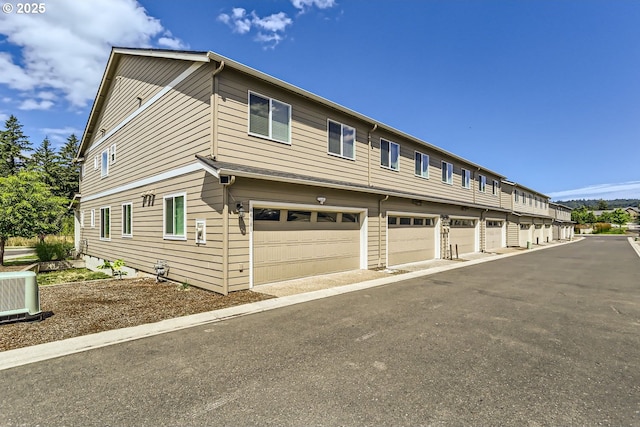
column 545, row 92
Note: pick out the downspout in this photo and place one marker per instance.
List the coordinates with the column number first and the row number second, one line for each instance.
column 213, row 105
column 375, row 126
column 225, row 236
column 380, row 229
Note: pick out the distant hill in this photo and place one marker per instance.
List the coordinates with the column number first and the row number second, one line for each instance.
column 595, row 204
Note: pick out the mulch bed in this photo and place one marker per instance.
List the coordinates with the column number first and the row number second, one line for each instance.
column 83, row 308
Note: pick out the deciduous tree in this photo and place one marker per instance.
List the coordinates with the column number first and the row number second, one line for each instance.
column 27, row 208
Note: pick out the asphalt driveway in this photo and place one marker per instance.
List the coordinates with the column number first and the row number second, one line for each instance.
column 546, row 338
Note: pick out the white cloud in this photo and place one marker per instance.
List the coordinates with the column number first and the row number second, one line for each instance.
column 270, row 29
column 3, row 118
column 623, row 190
column 60, row 135
column 320, row 4
column 32, row 104
column 66, row 48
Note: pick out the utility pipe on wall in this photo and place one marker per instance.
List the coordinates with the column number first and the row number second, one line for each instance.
column 380, row 229
column 225, row 236
column 375, row 126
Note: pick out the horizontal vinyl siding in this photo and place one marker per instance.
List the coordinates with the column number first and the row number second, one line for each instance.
column 307, row 154
column 188, row 262
column 165, row 136
column 136, row 76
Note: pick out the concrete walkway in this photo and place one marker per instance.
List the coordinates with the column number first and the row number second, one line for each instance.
column 288, row 293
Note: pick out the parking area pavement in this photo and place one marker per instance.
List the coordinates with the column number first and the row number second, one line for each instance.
column 548, row 338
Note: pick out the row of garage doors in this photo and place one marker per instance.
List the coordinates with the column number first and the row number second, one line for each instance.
column 288, row 243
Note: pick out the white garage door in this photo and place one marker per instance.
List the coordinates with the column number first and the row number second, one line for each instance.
column 289, row 243
column 463, row 234
column 538, row 234
column 410, row 239
column 494, row 234
column 525, row 234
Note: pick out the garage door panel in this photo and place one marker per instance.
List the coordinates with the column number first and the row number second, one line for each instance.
column 288, row 250
column 411, row 243
column 464, row 237
column 494, row 237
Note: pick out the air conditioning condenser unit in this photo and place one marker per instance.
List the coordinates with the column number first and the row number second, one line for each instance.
column 19, row 297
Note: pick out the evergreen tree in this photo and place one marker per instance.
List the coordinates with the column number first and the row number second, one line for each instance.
column 13, row 146
column 46, row 162
column 69, row 177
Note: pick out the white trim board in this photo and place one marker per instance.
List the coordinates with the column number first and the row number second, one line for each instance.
column 146, row 181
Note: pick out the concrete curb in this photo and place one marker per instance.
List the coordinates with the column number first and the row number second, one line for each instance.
column 634, row 245
column 37, row 353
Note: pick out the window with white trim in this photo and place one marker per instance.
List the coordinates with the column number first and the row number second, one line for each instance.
column 127, row 220
column 93, row 218
column 175, row 216
column 516, row 195
column 104, row 168
column 105, row 223
column 269, row 118
column 389, row 154
column 530, row 200
column 495, row 188
column 342, row 140
column 447, row 172
column 482, row 183
column 422, row 165
column 466, row 178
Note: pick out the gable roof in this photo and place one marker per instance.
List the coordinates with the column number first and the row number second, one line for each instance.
column 201, row 56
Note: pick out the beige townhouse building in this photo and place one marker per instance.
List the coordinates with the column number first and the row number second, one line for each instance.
column 238, row 179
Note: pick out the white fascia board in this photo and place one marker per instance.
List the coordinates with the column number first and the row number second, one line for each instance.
column 168, row 54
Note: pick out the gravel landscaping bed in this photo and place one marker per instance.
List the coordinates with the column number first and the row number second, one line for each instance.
column 88, row 307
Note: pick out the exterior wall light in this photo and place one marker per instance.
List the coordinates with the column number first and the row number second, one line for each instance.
column 240, row 210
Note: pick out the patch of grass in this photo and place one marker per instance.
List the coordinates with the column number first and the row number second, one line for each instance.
column 24, row 260
column 71, row 275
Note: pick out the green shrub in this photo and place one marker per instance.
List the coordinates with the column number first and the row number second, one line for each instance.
column 50, row 251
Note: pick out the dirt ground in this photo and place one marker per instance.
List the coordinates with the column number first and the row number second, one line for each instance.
column 83, row 308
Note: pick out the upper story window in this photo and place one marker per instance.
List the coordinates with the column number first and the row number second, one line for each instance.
column 495, row 188
column 530, row 199
column 482, row 183
column 341, row 140
column 466, row 178
column 389, row 154
column 269, row 118
column 515, row 192
column 447, row 172
column 422, row 165
column 104, row 170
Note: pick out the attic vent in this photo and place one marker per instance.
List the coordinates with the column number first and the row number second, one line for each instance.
column 19, row 296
